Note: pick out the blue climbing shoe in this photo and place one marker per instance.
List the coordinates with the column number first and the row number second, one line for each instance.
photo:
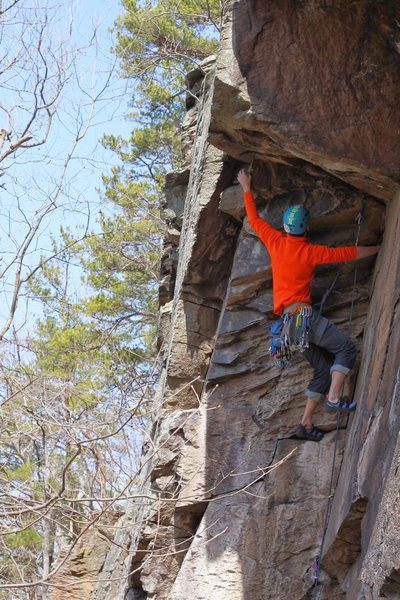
column 313, row 434
column 343, row 405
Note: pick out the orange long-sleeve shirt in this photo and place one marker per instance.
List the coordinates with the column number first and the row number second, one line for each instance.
column 293, row 259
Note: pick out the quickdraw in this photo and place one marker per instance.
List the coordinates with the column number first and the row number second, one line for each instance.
column 290, row 333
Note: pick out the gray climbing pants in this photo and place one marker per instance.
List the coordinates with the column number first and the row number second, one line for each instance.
column 329, row 350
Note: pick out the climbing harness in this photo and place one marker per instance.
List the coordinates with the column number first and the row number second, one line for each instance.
column 316, row 563
column 276, row 350
column 290, row 333
column 296, row 328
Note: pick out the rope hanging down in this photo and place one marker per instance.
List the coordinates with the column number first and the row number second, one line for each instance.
column 358, row 220
column 316, row 563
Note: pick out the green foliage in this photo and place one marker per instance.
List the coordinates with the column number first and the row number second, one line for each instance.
column 22, row 472
column 29, row 539
column 90, row 362
column 122, row 266
column 159, row 41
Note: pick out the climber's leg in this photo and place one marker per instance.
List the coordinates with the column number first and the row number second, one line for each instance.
column 343, row 351
column 321, row 361
column 307, row 418
column 316, row 391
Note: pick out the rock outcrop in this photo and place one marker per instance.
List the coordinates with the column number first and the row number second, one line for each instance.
column 312, row 81
column 231, row 505
column 79, row 567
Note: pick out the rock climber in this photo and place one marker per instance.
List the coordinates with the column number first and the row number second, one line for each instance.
column 331, row 353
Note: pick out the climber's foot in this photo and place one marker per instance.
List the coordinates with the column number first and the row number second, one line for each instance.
column 308, row 433
column 342, row 405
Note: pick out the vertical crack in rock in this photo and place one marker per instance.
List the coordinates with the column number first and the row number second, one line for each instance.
column 346, row 548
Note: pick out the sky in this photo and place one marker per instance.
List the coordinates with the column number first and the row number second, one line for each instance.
column 58, row 179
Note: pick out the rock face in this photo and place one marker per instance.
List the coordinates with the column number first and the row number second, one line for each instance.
column 233, row 506
column 80, row 569
column 314, row 81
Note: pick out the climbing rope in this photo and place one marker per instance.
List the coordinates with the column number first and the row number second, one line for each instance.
column 316, row 563
column 358, row 220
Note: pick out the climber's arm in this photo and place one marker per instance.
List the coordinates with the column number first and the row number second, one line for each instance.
column 364, row 251
column 321, row 255
column 261, row 227
column 245, row 180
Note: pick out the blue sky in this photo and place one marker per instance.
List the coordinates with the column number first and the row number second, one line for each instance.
column 33, row 177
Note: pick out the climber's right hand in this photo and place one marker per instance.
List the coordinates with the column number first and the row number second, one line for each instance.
column 245, row 180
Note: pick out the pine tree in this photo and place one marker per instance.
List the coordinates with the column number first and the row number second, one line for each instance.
column 158, row 42
column 75, row 398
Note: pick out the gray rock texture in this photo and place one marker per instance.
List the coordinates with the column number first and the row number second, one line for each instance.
column 312, row 81
column 235, row 507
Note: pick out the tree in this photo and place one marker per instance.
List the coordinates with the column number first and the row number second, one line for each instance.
column 75, row 393
column 47, row 109
column 68, row 445
column 61, row 460
column 57, row 416
column 157, row 43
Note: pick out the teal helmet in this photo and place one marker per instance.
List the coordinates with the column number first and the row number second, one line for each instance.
column 296, row 219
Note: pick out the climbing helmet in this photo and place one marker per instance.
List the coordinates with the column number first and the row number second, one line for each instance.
column 296, row 219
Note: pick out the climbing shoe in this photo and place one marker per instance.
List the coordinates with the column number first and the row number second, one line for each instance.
column 313, row 434
column 344, row 405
